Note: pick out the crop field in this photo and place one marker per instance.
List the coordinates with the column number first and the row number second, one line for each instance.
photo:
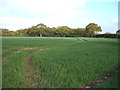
column 56, row 62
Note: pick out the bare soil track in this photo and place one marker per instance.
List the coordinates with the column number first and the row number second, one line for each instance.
column 30, row 70
column 100, row 80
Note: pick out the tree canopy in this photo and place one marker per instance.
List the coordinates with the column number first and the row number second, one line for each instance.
column 91, row 28
column 41, row 29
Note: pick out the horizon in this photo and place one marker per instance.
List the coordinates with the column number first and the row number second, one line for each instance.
column 18, row 14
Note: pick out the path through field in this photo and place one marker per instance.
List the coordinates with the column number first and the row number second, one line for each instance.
column 30, row 70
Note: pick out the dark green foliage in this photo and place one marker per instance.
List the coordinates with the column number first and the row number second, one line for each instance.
column 79, row 32
column 107, row 35
column 61, row 31
column 40, row 30
column 91, row 28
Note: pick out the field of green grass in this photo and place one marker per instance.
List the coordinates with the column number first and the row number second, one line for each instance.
column 56, row 62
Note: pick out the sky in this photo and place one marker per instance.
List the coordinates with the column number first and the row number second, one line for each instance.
column 21, row 14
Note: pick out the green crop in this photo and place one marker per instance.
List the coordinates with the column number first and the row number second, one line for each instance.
column 59, row 62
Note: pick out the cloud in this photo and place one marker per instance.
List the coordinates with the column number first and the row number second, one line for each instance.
column 15, row 23
column 56, row 12
column 50, row 6
column 17, row 14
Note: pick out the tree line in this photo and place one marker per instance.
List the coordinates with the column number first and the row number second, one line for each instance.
column 41, row 30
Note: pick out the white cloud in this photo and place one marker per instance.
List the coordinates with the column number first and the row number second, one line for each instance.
column 58, row 12
column 50, row 6
column 15, row 23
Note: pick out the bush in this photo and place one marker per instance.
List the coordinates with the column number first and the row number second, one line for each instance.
column 107, row 36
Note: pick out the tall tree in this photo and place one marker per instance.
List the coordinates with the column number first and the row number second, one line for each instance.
column 91, row 28
column 37, row 30
column 41, row 29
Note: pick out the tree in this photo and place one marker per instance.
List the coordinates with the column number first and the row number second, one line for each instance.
column 49, row 31
column 63, row 31
column 41, row 25
column 41, row 29
column 4, row 32
column 23, row 32
column 38, row 30
column 79, row 32
column 91, row 28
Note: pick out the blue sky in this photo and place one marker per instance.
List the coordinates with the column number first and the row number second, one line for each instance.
column 20, row 14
